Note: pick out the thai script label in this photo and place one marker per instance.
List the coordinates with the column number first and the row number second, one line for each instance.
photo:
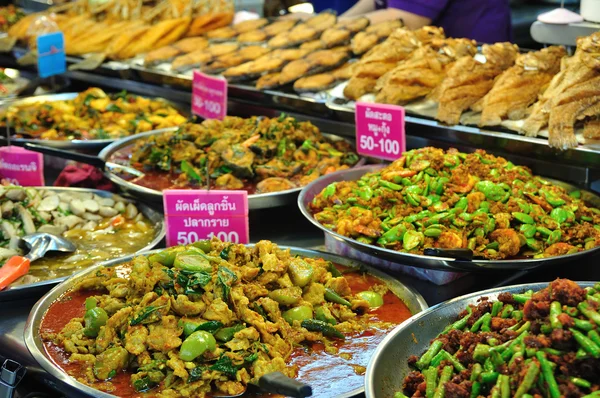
column 51, row 54
column 380, row 130
column 200, row 214
column 209, row 96
column 22, row 167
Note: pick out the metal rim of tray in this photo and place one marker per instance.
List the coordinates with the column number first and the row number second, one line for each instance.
column 155, row 218
column 69, row 144
column 255, row 201
column 388, row 365
column 431, row 262
column 409, row 296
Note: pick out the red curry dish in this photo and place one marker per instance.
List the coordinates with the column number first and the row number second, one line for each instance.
column 213, row 317
column 257, row 154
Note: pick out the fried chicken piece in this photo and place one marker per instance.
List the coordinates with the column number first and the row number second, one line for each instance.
column 423, row 71
column 519, row 86
column 583, row 66
column 385, row 56
column 470, row 80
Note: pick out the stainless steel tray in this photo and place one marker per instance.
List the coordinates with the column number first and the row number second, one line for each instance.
column 388, row 366
column 255, row 201
column 431, row 262
column 407, row 294
column 156, row 218
column 88, row 145
column 309, row 104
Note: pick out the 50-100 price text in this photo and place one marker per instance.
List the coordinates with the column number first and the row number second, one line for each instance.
column 385, row 144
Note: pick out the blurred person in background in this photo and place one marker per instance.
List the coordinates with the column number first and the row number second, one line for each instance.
column 486, row 21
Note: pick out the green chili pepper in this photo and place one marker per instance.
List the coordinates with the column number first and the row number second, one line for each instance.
column 331, row 295
column 226, row 334
column 321, row 315
column 328, row 330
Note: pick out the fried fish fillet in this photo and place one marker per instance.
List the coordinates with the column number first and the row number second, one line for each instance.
column 313, row 45
column 202, row 57
column 583, row 66
column 519, row 86
column 254, row 36
column 384, row 57
column 314, row 83
column 163, row 54
column 372, row 35
column 335, row 36
column 423, row 71
column 469, row 80
column 322, row 21
column 268, row 81
column 299, row 34
column 235, row 58
column 282, row 25
column 190, row 44
column 267, row 64
column 578, row 102
column 153, row 36
column 207, row 22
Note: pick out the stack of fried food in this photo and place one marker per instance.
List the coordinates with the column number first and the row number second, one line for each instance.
column 527, row 92
column 572, row 97
column 121, row 29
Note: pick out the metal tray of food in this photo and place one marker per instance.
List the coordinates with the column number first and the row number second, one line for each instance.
column 311, row 104
column 432, row 262
column 86, row 145
column 388, row 365
column 255, row 201
column 413, row 300
column 156, row 218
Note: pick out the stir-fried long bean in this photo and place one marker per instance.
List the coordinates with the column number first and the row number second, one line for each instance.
column 536, row 344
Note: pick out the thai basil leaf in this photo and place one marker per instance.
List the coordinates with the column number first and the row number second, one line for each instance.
column 225, row 366
column 226, row 278
column 145, row 314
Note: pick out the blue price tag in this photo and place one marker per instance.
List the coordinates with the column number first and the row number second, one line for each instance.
column 51, row 54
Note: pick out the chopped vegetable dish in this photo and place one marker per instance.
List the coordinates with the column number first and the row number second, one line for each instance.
column 258, row 154
column 432, row 198
column 215, row 317
column 92, row 115
column 532, row 344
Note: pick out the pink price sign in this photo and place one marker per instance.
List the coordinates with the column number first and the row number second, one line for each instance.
column 22, row 167
column 199, row 214
column 209, row 96
column 380, row 130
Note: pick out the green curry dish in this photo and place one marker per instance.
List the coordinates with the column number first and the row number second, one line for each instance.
column 181, row 332
column 448, row 199
column 258, row 154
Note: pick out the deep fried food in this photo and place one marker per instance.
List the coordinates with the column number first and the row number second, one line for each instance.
column 364, row 41
column 199, row 58
column 519, row 86
column 582, row 67
column 423, row 71
column 470, row 80
column 384, row 57
column 235, row 58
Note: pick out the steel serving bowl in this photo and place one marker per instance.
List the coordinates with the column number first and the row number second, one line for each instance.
column 431, row 262
column 156, row 218
column 413, row 300
column 255, row 201
column 88, row 145
column 388, row 365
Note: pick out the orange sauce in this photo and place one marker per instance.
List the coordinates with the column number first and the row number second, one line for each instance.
column 328, row 374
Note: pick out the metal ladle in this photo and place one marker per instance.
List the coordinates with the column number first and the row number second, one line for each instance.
column 39, row 244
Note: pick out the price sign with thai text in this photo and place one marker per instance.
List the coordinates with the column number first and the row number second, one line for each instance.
column 200, row 214
column 22, row 167
column 380, row 130
column 209, row 96
column 51, row 54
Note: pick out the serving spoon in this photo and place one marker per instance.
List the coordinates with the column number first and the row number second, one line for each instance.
column 39, row 244
column 278, row 383
column 82, row 158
